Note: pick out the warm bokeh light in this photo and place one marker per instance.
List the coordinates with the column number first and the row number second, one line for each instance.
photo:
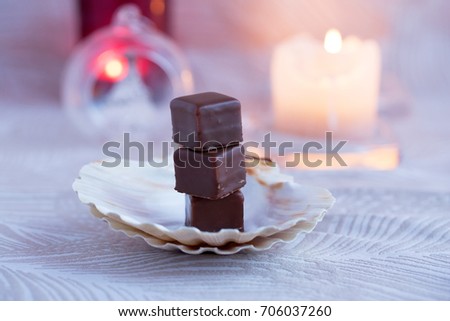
column 157, row 7
column 384, row 157
column 111, row 66
column 114, row 69
column 333, row 41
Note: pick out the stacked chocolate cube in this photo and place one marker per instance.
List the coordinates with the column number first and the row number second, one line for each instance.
column 209, row 164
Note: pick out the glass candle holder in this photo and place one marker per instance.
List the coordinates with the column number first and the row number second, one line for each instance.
column 122, row 77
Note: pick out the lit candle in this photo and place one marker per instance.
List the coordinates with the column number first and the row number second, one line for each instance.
column 326, row 87
column 111, row 66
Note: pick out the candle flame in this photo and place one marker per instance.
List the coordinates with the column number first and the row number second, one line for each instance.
column 333, row 41
column 111, row 66
column 114, row 69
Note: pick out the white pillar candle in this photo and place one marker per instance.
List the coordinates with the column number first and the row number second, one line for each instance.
column 326, row 87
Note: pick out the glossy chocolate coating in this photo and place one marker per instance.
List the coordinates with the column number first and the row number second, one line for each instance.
column 214, row 215
column 206, row 120
column 212, row 174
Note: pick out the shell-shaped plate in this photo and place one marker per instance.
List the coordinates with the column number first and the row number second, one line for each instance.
column 140, row 200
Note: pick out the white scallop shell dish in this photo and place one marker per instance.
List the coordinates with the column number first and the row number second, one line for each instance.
column 140, row 201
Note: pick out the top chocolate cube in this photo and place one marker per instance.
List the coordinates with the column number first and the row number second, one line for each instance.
column 206, row 120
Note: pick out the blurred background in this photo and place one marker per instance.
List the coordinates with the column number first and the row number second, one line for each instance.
column 37, row 37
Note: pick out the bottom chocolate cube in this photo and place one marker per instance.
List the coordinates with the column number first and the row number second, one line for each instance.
column 214, row 215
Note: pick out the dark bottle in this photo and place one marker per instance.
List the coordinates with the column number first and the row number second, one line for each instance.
column 95, row 14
